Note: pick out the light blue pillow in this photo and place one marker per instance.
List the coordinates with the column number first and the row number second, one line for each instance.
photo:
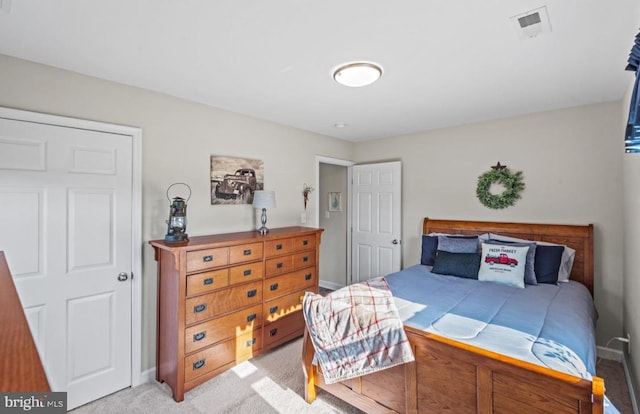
column 458, row 244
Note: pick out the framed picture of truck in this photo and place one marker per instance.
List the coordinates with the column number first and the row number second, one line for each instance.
column 234, row 179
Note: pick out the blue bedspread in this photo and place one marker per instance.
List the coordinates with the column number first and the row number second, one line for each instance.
column 548, row 325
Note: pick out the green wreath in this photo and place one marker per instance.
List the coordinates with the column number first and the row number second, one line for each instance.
column 511, row 181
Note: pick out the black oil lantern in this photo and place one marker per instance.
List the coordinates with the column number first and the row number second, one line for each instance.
column 177, row 223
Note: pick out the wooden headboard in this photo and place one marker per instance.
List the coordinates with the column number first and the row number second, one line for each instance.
column 579, row 238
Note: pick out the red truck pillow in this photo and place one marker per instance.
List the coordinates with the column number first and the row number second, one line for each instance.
column 503, row 263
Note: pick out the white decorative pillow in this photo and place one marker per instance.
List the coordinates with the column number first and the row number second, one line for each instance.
column 503, row 264
column 568, row 255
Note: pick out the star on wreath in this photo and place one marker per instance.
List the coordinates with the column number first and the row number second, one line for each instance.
column 498, row 166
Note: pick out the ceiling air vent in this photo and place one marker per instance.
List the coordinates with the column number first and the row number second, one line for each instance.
column 532, row 23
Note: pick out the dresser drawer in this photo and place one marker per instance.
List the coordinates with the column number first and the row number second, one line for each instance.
column 222, row 301
column 245, row 253
column 248, row 344
column 278, row 265
column 216, row 330
column 304, row 259
column 282, row 306
column 288, row 283
column 284, row 329
column 207, row 259
column 277, row 247
column 303, row 242
column 205, row 282
column 209, row 359
column 246, row 273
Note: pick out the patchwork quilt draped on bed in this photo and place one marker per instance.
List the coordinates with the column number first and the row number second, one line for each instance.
column 356, row 330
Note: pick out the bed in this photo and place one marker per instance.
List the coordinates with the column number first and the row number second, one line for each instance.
column 450, row 375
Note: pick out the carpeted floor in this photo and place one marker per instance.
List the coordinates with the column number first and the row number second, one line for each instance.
column 616, row 384
column 272, row 383
column 269, row 383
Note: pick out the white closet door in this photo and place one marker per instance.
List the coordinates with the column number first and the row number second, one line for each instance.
column 66, row 220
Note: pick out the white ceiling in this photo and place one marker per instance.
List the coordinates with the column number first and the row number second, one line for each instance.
column 446, row 62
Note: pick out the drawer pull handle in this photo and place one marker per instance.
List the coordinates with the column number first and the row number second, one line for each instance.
column 273, row 332
column 278, row 247
column 247, row 272
column 251, row 317
column 307, row 276
column 305, row 242
column 200, row 308
column 207, row 259
column 251, row 342
column 273, row 287
column 199, row 336
column 247, row 252
column 251, row 293
column 279, row 265
column 305, row 259
column 208, row 281
column 199, row 364
column 273, row 309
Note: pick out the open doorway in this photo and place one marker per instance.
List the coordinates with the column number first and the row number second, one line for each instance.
column 333, row 214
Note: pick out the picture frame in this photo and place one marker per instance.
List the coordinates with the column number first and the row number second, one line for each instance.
column 335, row 201
column 235, row 179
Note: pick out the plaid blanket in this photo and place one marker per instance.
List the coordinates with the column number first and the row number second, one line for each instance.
column 356, row 330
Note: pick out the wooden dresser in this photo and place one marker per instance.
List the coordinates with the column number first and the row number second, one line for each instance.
column 225, row 298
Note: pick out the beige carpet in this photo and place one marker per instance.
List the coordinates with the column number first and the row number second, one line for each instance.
column 272, row 383
column 616, row 384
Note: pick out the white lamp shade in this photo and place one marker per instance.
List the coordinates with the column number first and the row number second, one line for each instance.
column 264, row 199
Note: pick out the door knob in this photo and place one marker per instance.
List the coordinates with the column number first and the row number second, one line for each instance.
column 395, row 241
column 123, row 277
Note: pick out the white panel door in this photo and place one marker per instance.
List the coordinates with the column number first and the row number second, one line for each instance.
column 377, row 220
column 66, row 220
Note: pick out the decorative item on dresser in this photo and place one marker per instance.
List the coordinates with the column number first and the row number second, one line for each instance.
column 225, row 298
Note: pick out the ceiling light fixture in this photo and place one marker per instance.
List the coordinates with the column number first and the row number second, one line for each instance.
column 357, row 74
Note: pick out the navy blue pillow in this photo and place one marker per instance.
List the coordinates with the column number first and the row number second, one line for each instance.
column 429, row 248
column 457, row 264
column 547, row 264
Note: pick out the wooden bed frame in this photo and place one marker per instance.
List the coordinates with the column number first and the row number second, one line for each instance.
column 451, row 377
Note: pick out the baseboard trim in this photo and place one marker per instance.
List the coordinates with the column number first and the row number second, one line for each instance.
column 632, row 393
column 330, row 285
column 610, row 353
column 147, row 376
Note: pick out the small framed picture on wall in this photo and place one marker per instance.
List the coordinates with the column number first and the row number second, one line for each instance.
column 335, row 201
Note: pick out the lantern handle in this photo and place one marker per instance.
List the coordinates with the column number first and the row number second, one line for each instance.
column 186, row 185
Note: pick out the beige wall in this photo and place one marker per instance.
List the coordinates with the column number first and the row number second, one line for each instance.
column 178, row 138
column 572, row 171
column 333, row 251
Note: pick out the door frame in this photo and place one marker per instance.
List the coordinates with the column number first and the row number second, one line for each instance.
column 136, row 212
column 316, row 199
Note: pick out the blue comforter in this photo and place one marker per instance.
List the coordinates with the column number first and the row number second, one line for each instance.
column 548, row 325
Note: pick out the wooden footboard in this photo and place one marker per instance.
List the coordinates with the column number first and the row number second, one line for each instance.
column 451, row 377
